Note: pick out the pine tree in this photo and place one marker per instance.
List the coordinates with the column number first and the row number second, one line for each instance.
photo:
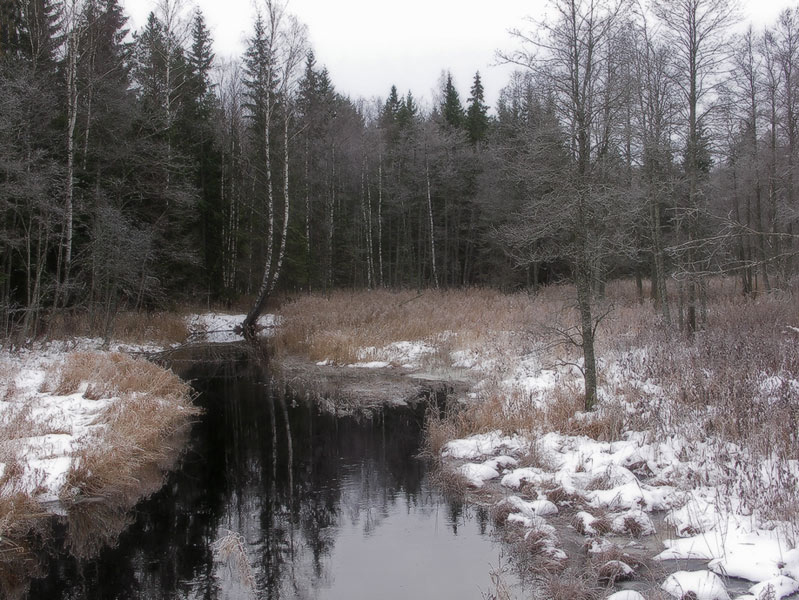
column 477, row 112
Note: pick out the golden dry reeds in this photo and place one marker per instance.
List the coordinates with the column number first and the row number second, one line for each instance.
column 131, row 327
column 336, row 327
column 124, row 457
column 150, row 404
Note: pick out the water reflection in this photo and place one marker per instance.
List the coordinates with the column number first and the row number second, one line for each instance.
column 327, row 508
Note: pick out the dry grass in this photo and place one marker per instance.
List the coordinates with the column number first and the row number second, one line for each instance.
column 573, row 585
column 117, row 463
column 130, row 327
column 451, row 483
column 159, row 327
column 337, row 326
column 23, row 530
column 230, row 549
column 110, row 374
column 151, row 405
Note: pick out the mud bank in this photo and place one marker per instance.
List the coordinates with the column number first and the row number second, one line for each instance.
column 341, row 389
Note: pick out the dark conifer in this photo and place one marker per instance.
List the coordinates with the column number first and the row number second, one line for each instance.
column 451, row 107
column 477, row 112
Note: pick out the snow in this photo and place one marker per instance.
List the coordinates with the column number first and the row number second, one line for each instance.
column 534, row 508
column 626, row 595
column 704, row 584
column 48, row 428
column 775, row 588
column 484, row 444
column 406, row 354
column 634, row 522
column 477, row 474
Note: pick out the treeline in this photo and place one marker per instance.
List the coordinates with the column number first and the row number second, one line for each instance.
column 138, row 170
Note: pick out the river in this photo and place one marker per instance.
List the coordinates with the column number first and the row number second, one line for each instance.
column 320, row 507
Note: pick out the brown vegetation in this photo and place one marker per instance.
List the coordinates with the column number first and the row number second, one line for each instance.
column 130, row 327
column 115, row 465
column 337, row 326
column 151, row 405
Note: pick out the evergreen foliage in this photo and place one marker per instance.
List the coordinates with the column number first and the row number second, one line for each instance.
column 451, row 107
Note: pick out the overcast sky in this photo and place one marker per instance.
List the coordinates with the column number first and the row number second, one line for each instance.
column 368, row 45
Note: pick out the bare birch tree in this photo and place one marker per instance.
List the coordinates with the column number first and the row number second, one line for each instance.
column 284, row 46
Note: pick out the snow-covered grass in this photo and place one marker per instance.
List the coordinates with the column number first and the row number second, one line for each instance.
column 81, row 425
column 703, row 430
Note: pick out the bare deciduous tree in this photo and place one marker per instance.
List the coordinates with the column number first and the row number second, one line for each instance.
column 575, row 220
column 284, row 48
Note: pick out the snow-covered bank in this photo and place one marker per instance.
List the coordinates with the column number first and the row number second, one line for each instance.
column 63, row 413
column 62, row 401
column 694, row 439
column 215, row 327
column 700, row 482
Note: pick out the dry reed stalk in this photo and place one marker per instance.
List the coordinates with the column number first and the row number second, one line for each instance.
column 230, row 550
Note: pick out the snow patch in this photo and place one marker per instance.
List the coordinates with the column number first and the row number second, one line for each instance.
column 703, row 584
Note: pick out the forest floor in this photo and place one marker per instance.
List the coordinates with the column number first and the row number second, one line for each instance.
column 690, row 460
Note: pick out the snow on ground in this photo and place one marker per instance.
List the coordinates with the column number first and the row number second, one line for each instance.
column 678, row 473
column 702, row 585
column 41, row 432
column 407, row 355
column 600, row 476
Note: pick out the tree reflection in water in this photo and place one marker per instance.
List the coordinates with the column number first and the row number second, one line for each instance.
column 289, row 479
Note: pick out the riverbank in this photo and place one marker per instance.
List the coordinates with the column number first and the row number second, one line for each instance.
column 84, row 434
column 699, row 435
column 691, row 454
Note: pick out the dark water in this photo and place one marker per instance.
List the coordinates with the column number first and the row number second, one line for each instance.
column 327, row 508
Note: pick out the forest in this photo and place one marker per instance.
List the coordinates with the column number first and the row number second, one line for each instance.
column 137, row 172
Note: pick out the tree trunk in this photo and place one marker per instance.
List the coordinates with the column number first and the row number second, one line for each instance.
column 430, row 218
column 584, row 301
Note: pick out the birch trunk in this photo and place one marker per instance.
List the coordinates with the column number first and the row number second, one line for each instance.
column 430, row 219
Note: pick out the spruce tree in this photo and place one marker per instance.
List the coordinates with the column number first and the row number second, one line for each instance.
column 477, row 112
column 199, row 135
column 406, row 115
column 451, row 107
